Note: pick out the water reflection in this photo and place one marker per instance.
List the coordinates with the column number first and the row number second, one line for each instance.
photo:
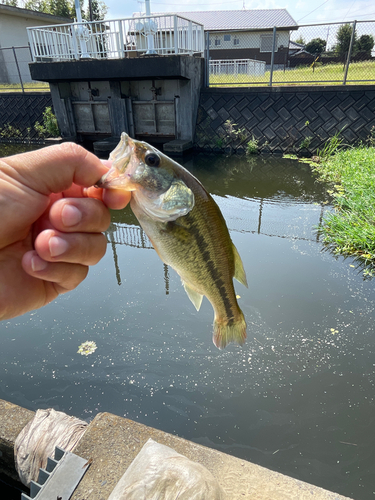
column 298, row 397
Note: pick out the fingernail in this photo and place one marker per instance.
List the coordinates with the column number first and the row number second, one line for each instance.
column 70, row 215
column 38, row 264
column 57, row 246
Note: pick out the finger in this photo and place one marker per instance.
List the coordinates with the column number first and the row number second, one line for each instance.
column 116, row 198
column 62, row 276
column 76, row 248
column 80, row 215
column 55, row 168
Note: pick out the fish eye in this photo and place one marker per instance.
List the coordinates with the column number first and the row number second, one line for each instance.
column 152, row 159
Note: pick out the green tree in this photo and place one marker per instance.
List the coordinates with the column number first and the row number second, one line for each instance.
column 66, row 8
column 11, row 3
column 99, row 10
column 316, row 46
column 62, row 8
column 343, row 37
column 365, row 45
column 300, row 40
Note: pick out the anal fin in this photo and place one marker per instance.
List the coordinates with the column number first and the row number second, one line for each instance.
column 239, row 272
column 194, row 296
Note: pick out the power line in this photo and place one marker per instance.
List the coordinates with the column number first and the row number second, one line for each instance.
column 312, row 11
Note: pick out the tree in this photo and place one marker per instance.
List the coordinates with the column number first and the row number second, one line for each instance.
column 98, row 9
column 343, row 37
column 62, row 8
column 365, row 45
column 66, row 8
column 300, row 40
column 316, row 46
column 11, row 3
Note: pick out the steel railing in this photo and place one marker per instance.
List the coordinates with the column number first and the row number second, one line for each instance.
column 331, row 53
column 116, row 39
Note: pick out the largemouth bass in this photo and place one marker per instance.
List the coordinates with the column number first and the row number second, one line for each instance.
column 186, row 228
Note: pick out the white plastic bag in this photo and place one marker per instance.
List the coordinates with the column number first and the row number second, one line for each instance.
column 160, row 473
column 37, row 440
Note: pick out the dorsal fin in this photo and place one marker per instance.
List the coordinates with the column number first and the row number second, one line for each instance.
column 239, row 272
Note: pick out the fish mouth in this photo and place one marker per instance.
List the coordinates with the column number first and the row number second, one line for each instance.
column 116, row 177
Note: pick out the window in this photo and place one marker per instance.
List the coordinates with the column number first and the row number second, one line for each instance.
column 266, row 43
column 226, row 38
column 217, row 41
column 236, row 41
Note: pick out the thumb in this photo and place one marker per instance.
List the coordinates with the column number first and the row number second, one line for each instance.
column 55, row 168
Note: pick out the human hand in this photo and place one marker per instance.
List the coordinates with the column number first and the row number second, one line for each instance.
column 52, row 220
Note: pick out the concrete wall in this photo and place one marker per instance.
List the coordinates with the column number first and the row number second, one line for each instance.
column 126, row 88
column 281, row 118
column 21, row 111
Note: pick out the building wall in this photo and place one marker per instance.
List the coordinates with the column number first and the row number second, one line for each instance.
column 280, row 118
column 13, row 27
column 13, row 33
column 251, row 45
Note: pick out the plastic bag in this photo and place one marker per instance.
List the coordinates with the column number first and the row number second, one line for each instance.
column 160, row 473
column 38, row 439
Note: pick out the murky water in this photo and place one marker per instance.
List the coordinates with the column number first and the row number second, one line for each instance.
column 297, row 398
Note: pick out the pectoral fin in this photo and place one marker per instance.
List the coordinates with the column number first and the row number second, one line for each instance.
column 194, row 296
column 239, row 272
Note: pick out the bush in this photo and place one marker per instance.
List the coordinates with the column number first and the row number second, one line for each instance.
column 50, row 126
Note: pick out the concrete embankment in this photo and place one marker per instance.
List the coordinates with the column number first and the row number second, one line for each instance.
column 111, row 443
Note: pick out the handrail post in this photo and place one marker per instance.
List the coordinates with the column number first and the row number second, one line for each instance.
column 175, row 27
column 30, row 36
column 272, row 55
column 207, row 60
column 190, row 38
column 349, row 53
column 121, row 37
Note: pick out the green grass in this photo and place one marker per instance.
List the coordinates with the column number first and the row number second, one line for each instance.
column 28, row 87
column 350, row 228
column 329, row 74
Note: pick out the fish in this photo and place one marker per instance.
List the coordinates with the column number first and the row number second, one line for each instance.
column 185, row 227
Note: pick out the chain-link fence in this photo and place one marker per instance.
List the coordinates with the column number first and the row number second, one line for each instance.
column 14, row 70
column 323, row 54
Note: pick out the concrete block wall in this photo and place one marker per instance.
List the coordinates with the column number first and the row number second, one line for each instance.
column 21, row 111
column 284, row 119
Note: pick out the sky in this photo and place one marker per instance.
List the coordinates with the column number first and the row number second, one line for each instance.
column 302, row 11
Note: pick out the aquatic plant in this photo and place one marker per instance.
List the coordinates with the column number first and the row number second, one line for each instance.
column 87, row 348
column 252, row 146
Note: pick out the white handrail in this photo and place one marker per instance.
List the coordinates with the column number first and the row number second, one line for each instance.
column 116, row 39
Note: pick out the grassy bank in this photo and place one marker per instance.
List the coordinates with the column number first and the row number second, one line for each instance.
column 328, row 74
column 350, row 228
column 28, row 87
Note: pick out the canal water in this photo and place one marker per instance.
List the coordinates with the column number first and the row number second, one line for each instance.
column 297, row 398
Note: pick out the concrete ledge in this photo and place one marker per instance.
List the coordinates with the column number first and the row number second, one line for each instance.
column 111, row 443
column 13, row 419
column 177, row 147
column 139, row 68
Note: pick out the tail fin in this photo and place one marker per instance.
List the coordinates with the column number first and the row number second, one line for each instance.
column 233, row 330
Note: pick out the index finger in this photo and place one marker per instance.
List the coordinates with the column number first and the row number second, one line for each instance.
column 54, row 169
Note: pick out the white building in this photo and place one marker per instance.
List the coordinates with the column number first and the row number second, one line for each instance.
column 13, row 23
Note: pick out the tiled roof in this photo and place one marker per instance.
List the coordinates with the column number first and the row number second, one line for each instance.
column 240, row 19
